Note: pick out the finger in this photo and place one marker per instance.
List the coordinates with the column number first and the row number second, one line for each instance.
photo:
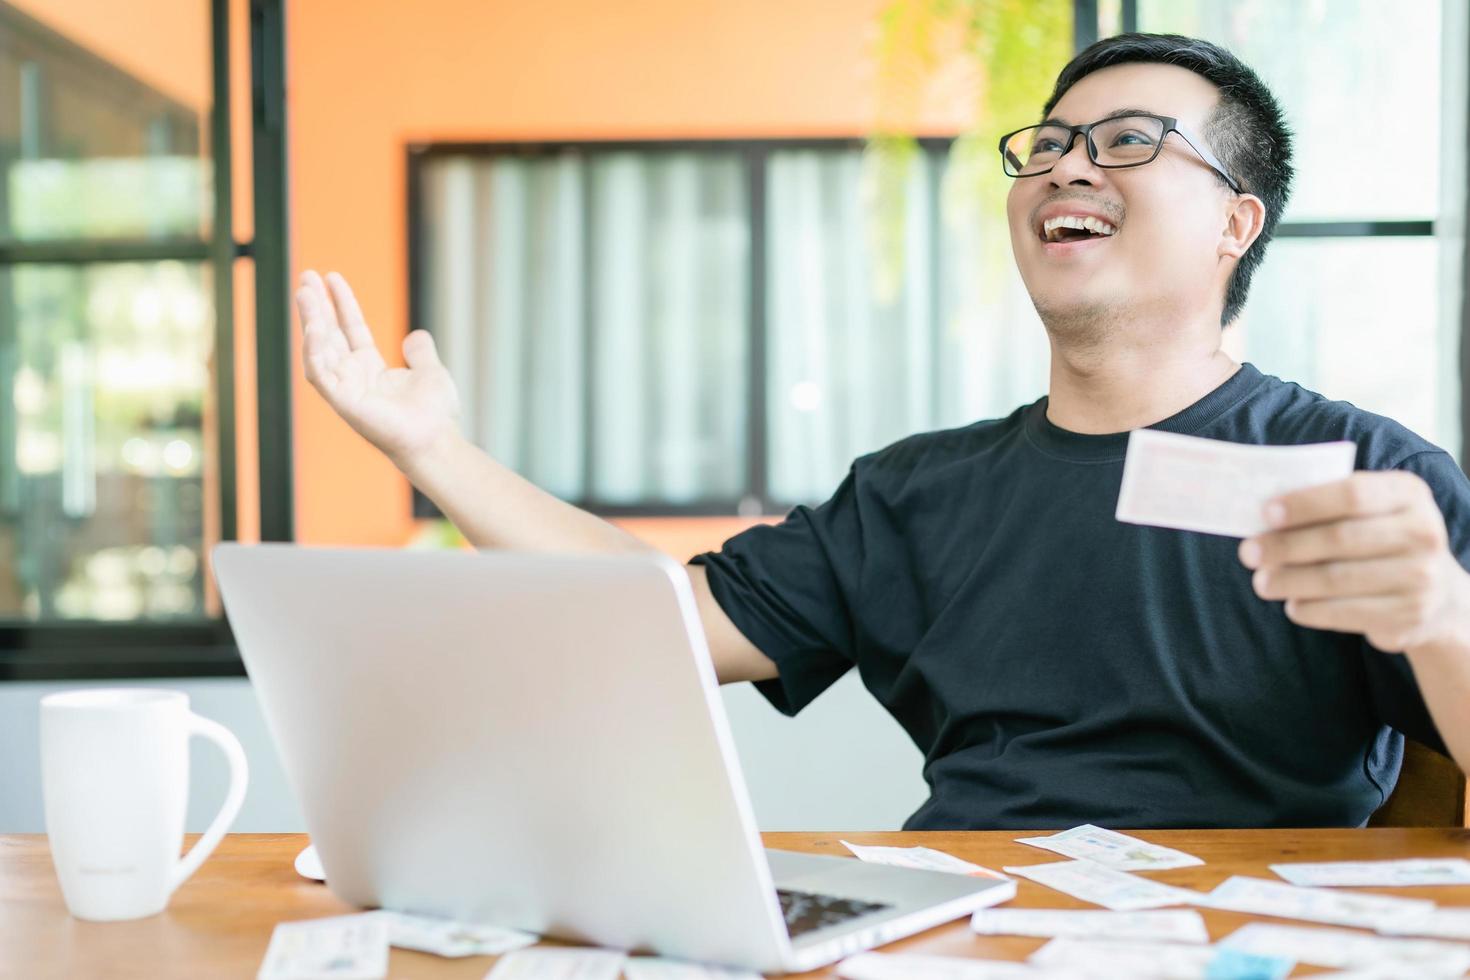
column 1361, row 614
column 318, row 318
column 349, row 314
column 313, row 294
column 420, row 352
column 1360, row 495
column 1363, row 537
column 1342, row 579
column 317, row 336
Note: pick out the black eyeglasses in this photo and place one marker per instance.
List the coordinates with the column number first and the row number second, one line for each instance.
column 1125, row 140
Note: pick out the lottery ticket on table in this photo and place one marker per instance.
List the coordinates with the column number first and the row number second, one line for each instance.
column 1235, row 964
column 1174, row 925
column 1438, row 923
column 1257, row 896
column 1137, row 961
column 444, row 937
column 1193, row 484
column 1342, row 948
column 1112, row 849
column 343, row 947
column 558, row 963
column 1409, row 872
column 920, row 858
column 661, row 968
column 1108, row 887
column 916, row 966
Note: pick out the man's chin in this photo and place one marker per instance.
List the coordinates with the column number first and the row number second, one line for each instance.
column 1075, row 315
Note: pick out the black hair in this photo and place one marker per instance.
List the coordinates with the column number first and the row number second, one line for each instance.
column 1246, row 130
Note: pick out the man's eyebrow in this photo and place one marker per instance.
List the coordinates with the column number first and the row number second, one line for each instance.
column 1126, row 111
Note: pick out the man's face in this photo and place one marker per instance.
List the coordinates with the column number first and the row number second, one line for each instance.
column 1169, row 214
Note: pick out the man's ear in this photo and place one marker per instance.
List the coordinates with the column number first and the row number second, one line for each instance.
column 1243, row 224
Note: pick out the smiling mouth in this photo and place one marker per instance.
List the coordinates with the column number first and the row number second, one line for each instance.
column 1071, row 228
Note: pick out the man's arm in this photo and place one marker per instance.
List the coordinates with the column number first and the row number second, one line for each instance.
column 1443, row 675
column 462, row 480
column 411, row 415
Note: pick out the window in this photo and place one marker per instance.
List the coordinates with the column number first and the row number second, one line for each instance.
column 1359, row 296
column 117, row 270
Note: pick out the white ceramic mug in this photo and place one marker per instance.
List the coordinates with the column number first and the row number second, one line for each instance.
column 115, row 778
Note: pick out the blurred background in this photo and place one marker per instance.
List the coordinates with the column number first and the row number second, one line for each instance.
column 685, row 259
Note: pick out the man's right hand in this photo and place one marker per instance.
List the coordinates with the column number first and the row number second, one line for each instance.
column 403, row 411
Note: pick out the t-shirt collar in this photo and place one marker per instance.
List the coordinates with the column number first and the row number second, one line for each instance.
column 1055, row 441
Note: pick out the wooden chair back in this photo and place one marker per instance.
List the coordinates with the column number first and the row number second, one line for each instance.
column 1431, row 792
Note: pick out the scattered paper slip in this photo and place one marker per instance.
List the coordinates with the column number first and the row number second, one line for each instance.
column 1137, row 961
column 1235, row 964
column 1174, row 925
column 1112, row 849
column 343, row 947
column 558, row 963
column 1410, row 872
column 1112, row 889
column 1438, row 923
column 445, row 937
column 1088, row 958
column 920, row 859
column 1344, row 949
column 1194, row 484
column 1258, row 896
column 917, row 966
column 661, row 968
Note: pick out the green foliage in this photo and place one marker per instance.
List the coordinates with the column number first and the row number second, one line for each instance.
column 1015, row 49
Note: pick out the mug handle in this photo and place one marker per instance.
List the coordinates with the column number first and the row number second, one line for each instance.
column 239, row 776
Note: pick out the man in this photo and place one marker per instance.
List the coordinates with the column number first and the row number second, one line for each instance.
column 1055, row 665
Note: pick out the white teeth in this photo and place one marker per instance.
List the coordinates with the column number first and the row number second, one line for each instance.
column 1095, row 225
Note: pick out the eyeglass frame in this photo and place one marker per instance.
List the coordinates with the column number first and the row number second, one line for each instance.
column 1171, row 125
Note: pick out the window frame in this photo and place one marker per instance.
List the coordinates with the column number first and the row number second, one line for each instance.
column 93, row 649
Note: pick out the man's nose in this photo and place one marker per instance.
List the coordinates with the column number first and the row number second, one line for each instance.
column 1074, row 165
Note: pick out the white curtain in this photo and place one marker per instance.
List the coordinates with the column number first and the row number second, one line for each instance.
column 851, row 370
column 592, row 308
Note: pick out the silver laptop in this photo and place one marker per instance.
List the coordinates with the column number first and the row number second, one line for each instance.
column 538, row 741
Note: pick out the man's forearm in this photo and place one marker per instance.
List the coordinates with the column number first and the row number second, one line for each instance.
column 495, row 507
column 1443, row 675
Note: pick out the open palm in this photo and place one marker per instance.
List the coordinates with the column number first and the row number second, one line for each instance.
column 400, row 410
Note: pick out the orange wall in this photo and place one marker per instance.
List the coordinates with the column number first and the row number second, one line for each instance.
column 368, row 77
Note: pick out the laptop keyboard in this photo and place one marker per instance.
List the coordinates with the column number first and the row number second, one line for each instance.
column 806, row 911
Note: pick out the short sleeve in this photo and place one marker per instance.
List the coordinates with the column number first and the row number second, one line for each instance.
column 791, row 588
column 1390, row 677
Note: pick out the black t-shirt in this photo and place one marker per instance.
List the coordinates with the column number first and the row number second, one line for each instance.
column 1056, row 666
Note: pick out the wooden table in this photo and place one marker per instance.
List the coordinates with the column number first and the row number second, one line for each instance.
column 220, row 921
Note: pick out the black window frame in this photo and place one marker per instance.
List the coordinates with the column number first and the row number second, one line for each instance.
column 90, row 649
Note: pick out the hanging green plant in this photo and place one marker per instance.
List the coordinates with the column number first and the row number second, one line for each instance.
column 1012, row 50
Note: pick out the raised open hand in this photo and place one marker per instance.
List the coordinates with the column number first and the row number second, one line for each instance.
column 402, row 411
